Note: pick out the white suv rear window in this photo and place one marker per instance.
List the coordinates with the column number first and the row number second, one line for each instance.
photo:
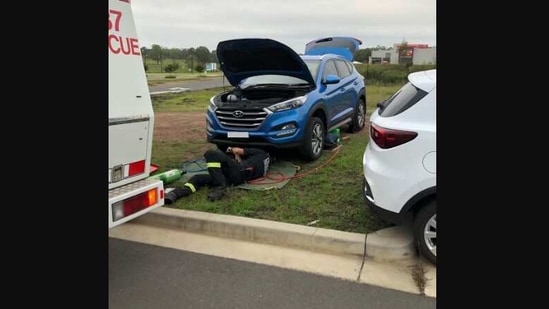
column 403, row 99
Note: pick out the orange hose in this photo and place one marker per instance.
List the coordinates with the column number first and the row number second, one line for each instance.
column 276, row 179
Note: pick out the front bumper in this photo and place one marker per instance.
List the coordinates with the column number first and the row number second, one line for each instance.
column 246, row 142
column 269, row 133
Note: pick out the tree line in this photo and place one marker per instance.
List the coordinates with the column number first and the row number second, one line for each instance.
column 196, row 58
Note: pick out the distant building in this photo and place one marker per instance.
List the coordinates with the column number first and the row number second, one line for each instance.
column 417, row 55
column 380, row 56
column 210, row 67
column 425, row 56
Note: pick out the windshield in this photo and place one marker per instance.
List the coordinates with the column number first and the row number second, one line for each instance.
column 313, row 67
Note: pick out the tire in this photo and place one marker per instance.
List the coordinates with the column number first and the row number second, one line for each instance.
column 315, row 137
column 425, row 231
column 359, row 117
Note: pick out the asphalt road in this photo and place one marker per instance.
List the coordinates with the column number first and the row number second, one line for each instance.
column 206, row 83
column 145, row 276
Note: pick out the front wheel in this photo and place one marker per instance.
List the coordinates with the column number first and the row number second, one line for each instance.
column 315, row 136
column 425, row 231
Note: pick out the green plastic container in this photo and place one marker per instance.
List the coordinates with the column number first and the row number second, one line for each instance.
column 168, row 176
column 337, row 133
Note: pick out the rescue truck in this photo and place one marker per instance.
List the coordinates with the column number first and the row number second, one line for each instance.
column 131, row 122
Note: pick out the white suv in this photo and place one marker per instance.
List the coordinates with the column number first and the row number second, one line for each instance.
column 399, row 162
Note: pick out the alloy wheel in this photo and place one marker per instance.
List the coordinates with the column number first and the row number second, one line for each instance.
column 317, row 139
column 430, row 234
column 361, row 115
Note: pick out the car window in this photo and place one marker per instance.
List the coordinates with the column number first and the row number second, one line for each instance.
column 329, row 68
column 351, row 66
column 403, row 99
column 342, row 69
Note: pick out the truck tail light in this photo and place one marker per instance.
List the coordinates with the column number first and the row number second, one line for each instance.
column 137, row 168
column 136, row 203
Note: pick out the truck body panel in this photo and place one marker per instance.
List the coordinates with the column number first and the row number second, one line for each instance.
column 131, row 123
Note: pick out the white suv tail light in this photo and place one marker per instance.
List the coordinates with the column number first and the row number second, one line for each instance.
column 389, row 138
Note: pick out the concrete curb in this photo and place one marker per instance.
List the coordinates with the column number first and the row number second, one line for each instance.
column 389, row 244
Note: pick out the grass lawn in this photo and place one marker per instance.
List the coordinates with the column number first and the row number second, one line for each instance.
column 328, row 195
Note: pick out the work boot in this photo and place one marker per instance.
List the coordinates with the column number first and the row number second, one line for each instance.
column 172, row 196
column 217, row 193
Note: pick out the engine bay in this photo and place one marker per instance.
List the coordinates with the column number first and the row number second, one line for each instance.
column 258, row 96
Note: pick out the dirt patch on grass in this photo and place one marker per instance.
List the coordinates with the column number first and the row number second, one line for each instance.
column 177, row 127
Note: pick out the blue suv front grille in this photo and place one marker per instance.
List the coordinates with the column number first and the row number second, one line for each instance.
column 238, row 119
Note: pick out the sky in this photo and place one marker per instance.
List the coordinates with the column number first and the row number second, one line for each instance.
column 195, row 23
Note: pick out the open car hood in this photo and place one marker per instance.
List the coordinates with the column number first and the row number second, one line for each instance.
column 340, row 45
column 242, row 58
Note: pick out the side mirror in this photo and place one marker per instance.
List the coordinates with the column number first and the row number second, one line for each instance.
column 331, row 79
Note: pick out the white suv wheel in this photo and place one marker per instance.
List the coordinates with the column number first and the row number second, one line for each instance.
column 425, row 231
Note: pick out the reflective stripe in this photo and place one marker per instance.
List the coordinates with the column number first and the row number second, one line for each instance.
column 191, row 186
column 213, row 164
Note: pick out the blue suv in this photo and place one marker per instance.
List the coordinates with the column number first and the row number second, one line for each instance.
column 284, row 100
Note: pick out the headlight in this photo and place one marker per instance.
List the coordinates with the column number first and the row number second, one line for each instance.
column 212, row 107
column 290, row 104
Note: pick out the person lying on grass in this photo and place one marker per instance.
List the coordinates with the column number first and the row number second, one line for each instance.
column 231, row 168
